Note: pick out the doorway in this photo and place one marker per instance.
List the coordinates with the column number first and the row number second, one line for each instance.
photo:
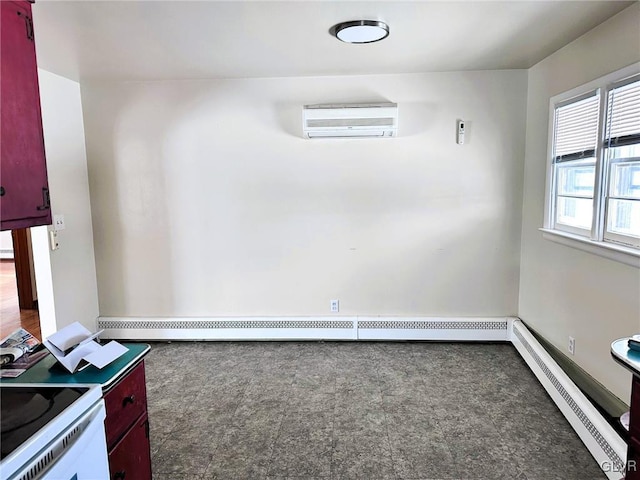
column 18, row 304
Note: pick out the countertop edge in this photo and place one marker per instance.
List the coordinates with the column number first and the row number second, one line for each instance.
column 125, row 369
column 623, row 360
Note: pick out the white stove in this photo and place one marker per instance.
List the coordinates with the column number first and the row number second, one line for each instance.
column 53, row 432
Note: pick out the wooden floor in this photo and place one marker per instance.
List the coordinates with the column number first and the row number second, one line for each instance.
column 11, row 317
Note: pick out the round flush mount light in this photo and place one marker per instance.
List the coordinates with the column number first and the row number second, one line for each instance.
column 360, row 31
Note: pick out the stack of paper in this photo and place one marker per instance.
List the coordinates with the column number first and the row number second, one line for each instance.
column 74, row 345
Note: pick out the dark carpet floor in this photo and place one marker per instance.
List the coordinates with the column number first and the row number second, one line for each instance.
column 343, row 410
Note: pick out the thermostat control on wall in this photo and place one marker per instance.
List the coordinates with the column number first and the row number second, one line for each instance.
column 460, row 135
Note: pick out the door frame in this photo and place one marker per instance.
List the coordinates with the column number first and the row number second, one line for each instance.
column 22, row 256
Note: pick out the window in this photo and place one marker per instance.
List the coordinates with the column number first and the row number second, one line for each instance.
column 574, row 162
column 593, row 189
column 622, row 157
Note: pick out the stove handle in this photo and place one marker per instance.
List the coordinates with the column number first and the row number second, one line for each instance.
column 128, row 399
column 119, row 475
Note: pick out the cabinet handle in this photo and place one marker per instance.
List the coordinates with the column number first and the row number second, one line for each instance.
column 119, row 475
column 46, row 205
column 29, row 24
column 2, row 192
column 129, row 399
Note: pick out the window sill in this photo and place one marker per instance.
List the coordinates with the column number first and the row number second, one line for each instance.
column 619, row 253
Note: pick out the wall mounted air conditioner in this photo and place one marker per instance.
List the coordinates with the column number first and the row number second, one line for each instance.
column 350, row 120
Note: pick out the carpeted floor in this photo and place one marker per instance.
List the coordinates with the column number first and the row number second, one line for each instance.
column 306, row 410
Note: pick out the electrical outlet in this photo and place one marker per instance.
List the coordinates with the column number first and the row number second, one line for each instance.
column 335, row 306
column 572, row 345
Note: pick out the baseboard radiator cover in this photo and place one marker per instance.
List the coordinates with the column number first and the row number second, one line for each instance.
column 430, row 328
column 229, row 328
column 306, row 328
column 602, row 441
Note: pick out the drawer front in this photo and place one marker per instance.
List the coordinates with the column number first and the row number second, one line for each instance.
column 125, row 403
column 130, row 459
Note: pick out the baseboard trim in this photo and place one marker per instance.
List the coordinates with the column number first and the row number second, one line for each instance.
column 306, row 328
column 593, row 389
column 6, row 254
column 602, row 441
column 443, row 329
column 229, row 328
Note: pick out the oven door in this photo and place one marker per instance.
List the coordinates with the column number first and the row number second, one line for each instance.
column 79, row 453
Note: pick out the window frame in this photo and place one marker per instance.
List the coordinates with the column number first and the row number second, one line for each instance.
column 592, row 240
column 616, row 237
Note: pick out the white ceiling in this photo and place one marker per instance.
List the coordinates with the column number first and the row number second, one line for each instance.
column 212, row 39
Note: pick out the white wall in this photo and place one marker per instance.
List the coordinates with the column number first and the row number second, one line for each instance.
column 564, row 291
column 70, row 270
column 6, row 244
column 206, row 200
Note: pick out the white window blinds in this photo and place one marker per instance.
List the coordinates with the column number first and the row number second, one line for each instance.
column 576, row 129
column 623, row 113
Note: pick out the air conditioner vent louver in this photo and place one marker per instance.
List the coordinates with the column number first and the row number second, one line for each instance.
column 350, row 120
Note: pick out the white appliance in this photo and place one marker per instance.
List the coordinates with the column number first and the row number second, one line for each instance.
column 350, row 120
column 53, row 432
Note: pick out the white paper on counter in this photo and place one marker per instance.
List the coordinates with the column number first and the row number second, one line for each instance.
column 106, row 354
column 71, row 360
column 79, row 341
column 69, row 336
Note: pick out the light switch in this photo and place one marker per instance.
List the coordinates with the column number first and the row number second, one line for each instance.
column 58, row 222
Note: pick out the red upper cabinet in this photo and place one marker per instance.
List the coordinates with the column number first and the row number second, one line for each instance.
column 24, row 191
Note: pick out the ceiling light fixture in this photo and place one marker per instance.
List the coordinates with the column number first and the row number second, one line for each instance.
column 360, row 31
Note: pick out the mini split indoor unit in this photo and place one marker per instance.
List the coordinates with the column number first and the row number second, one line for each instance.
column 350, row 120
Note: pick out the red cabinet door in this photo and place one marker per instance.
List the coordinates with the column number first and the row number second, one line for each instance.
column 24, row 192
column 126, row 402
column 130, row 459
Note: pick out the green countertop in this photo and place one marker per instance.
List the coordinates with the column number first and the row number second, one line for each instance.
column 46, row 370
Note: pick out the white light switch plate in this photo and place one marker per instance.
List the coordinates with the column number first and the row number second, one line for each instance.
column 58, row 222
column 335, row 306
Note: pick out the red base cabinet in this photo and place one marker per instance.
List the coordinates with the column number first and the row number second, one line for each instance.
column 622, row 354
column 127, row 427
column 24, row 190
column 633, row 451
column 130, row 457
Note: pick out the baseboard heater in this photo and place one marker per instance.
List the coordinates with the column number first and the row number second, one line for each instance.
column 602, row 441
column 6, row 253
column 306, row 328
